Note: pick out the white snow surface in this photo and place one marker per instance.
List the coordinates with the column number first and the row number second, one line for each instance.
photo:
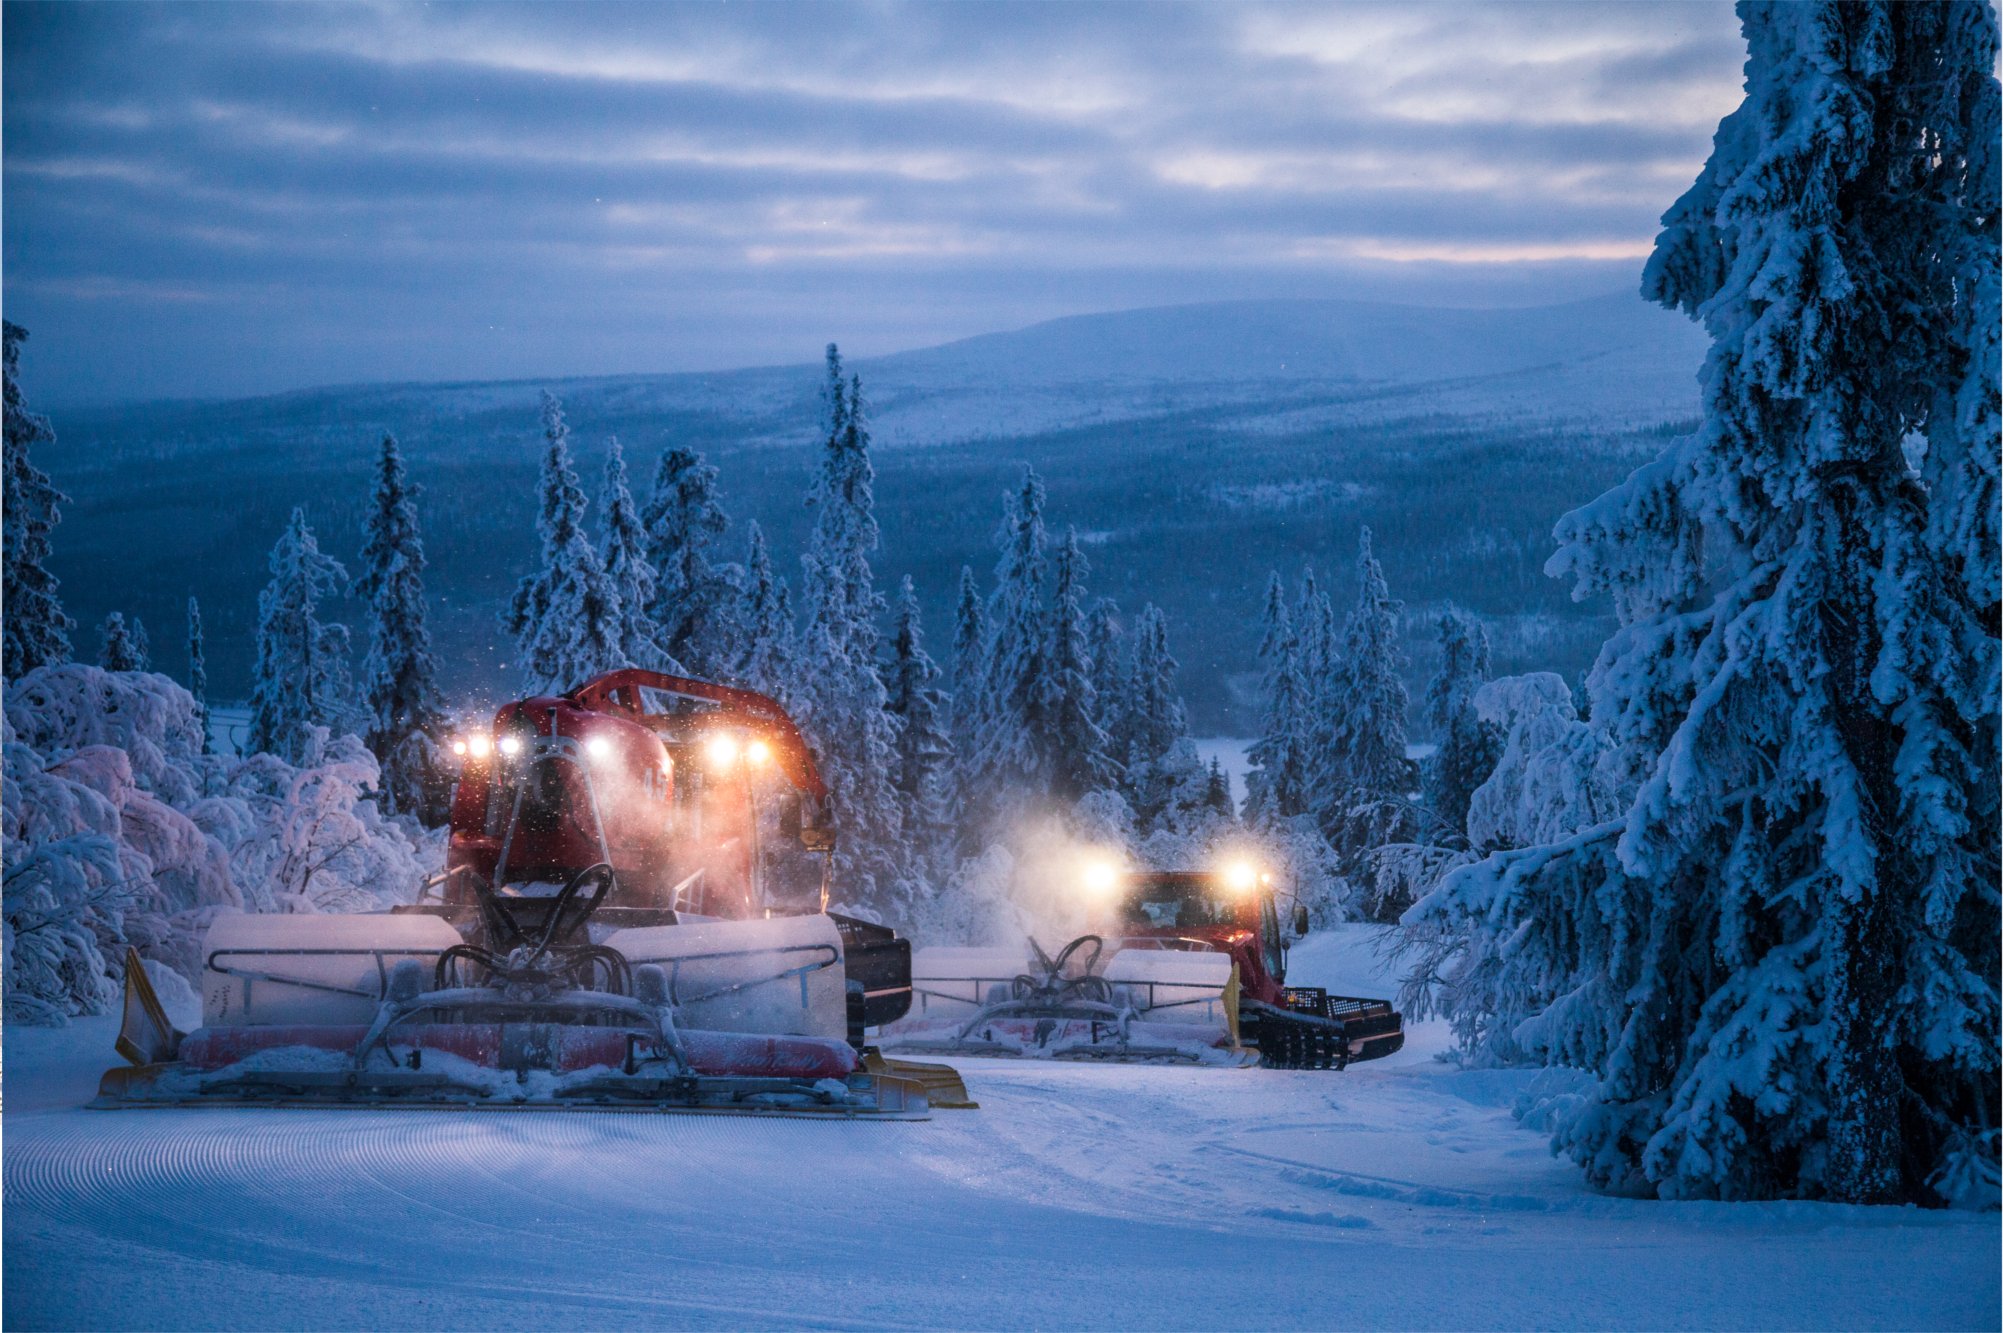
column 1400, row 1193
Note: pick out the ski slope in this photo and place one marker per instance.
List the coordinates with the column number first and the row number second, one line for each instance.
column 1397, row 1194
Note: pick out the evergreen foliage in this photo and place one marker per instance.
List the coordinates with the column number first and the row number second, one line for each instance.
column 404, row 708
column 627, row 568
column 198, row 673
column 1780, row 960
column 1276, row 785
column 840, row 700
column 694, row 603
column 117, row 647
column 1079, row 758
column 299, row 686
column 565, row 618
column 1467, row 746
column 33, row 626
column 765, row 619
column 1164, row 777
column 923, row 752
column 1013, row 747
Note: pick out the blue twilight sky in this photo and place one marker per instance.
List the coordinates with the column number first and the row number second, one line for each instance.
column 218, row 200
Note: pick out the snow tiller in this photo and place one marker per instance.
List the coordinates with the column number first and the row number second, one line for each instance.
column 1191, row 966
column 632, row 916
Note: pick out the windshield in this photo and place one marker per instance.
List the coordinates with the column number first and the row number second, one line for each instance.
column 1169, row 906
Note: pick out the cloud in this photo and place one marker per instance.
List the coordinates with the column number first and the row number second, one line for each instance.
column 694, row 186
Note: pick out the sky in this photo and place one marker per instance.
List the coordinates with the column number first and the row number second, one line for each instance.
column 214, row 201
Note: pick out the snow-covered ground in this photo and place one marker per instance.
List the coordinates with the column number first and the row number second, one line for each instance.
column 1396, row 1194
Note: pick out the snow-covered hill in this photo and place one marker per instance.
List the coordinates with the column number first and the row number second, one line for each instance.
column 1194, row 447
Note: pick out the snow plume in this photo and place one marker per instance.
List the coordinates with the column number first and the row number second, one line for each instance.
column 120, row 831
column 1778, row 953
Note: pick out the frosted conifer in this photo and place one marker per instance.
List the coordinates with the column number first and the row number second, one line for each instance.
column 36, row 629
column 1276, row 786
column 198, row 672
column 1013, row 751
column 694, row 603
column 924, row 751
column 1467, row 746
column 627, row 567
column 840, row 697
column 300, row 682
column 405, row 711
column 1079, row 758
column 116, row 650
column 565, row 618
column 765, row 620
column 1780, row 962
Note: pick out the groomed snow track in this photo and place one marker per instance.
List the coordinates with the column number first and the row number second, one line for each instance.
column 1398, row 1194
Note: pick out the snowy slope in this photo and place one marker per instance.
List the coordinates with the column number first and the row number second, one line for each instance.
column 1397, row 1194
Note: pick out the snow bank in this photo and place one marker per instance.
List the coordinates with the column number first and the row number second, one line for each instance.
column 119, row 830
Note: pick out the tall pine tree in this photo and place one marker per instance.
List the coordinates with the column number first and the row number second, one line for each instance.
column 198, row 672
column 970, row 702
column 1014, row 745
column 765, row 660
column 1364, row 780
column 923, row 755
column 694, row 603
column 1164, row 777
column 1079, row 759
column 1276, row 787
column 406, row 720
column 1781, row 962
column 117, row 649
column 34, row 630
column 565, row 618
column 627, row 567
column 841, row 700
column 300, row 681
column 1466, row 747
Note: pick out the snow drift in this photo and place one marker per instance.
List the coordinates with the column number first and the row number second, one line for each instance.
column 119, row 830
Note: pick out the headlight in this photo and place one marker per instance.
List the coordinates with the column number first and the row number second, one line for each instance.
column 721, row 751
column 478, row 745
column 1102, row 876
column 459, row 747
column 758, row 752
column 1241, row 876
column 511, row 746
column 598, row 748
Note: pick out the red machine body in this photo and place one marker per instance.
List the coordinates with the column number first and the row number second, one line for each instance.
column 1192, row 909
column 672, row 781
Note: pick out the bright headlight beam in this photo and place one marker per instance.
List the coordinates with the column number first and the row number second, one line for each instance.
column 598, row 747
column 721, row 751
column 478, row 745
column 758, row 752
column 511, row 745
column 1241, row 876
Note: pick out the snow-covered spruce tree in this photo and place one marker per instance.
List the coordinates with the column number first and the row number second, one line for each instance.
column 1365, row 780
column 1164, row 781
column 116, row 648
column 970, row 701
column 765, row 624
column 1013, row 749
column 624, row 555
column 1079, row 761
column 694, row 602
column 34, row 631
column 924, row 751
column 1781, row 961
column 405, row 710
column 198, row 673
column 1276, row 785
column 565, row 618
column 299, row 688
column 1105, row 644
column 840, row 700
column 142, row 644
column 1217, row 790
column 1467, row 746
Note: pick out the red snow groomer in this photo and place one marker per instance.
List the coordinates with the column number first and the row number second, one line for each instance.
column 1189, row 965
column 632, row 915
